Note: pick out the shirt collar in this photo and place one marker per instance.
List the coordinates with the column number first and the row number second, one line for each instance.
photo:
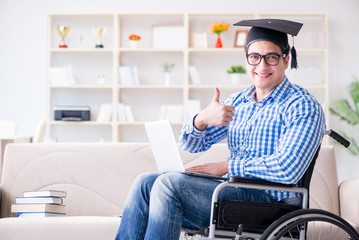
column 249, row 93
column 280, row 91
column 277, row 94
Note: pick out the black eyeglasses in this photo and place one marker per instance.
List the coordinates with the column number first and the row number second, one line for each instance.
column 272, row 59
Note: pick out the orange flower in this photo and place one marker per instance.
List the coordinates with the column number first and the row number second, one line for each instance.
column 134, row 37
column 218, row 28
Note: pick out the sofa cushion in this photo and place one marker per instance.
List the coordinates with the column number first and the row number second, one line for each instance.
column 349, row 201
column 324, row 184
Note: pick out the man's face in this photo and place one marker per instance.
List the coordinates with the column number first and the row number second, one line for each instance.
column 264, row 76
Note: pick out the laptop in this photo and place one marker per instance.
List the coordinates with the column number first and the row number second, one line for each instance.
column 165, row 149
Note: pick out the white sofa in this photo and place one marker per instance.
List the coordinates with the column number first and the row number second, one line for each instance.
column 97, row 177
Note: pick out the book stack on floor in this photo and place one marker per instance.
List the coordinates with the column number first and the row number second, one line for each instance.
column 42, row 203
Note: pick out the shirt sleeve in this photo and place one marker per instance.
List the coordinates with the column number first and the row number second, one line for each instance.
column 301, row 135
column 193, row 140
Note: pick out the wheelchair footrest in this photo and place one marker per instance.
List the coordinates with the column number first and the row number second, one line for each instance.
column 255, row 217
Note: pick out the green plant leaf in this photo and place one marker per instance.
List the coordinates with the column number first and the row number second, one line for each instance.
column 343, row 109
column 237, row 69
column 345, row 112
column 354, row 93
column 353, row 147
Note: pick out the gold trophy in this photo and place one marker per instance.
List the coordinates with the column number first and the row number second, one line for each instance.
column 63, row 31
column 99, row 32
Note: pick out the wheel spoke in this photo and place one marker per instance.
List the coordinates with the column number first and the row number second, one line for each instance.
column 310, row 223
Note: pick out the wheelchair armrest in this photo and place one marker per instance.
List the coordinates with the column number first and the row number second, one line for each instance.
column 257, row 181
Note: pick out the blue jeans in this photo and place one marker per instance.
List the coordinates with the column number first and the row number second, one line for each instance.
column 158, row 205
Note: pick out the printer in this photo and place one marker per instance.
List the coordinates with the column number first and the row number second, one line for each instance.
column 72, row 113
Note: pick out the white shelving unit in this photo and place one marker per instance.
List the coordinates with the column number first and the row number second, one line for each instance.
column 147, row 98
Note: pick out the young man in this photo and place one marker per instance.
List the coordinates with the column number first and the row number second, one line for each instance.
column 272, row 129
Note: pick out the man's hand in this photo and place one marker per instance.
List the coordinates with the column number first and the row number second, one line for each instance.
column 215, row 169
column 215, row 114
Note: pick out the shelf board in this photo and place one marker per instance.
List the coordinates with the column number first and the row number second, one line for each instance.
column 216, row 49
column 143, row 86
column 85, row 123
column 80, row 86
column 211, row 86
column 140, row 123
column 94, row 14
column 80, row 50
column 245, row 86
column 139, row 49
column 241, row 49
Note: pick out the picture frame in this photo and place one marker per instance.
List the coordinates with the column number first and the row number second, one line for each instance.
column 168, row 36
column 240, row 39
column 199, row 40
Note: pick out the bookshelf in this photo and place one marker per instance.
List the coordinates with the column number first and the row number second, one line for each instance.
column 147, row 99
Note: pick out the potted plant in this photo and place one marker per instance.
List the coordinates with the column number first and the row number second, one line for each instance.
column 236, row 72
column 134, row 40
column 346, row 112
column 167, row 69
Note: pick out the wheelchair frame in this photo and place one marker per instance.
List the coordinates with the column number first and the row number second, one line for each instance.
column 212, row 227
column 299, row 218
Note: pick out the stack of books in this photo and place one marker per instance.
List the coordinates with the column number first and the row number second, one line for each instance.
column 42, row 203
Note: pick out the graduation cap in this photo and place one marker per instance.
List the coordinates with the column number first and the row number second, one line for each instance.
column 274, row 30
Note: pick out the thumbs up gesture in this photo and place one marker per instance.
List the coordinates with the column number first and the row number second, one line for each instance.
column 215, row 114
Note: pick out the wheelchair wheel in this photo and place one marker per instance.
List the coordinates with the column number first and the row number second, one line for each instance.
column 312, row 224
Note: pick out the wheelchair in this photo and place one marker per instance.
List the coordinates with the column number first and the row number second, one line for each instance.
column 290, row 219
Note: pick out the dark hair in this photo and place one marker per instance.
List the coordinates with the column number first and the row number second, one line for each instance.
column 284, row 51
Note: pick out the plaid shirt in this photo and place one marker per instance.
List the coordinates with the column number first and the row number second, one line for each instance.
column 273, row 139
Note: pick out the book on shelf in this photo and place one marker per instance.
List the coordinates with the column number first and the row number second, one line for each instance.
column 193, row 73
column 70, row 75
column 54, row 200
column 125, row 113
column 61, row 75
column 39, row 215
column 45, row 193
column 121, row 115
column 129, row 114
column 128, row 75
column 37, row 207
column 174, row 113
column 105, row 113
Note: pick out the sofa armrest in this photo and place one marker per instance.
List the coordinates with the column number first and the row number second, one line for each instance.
column 0, row 197
column 349, row 200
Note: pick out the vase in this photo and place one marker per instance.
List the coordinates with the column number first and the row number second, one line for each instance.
column 167, row 78
column 236, row 78
column 219, row 42
column 133, row 44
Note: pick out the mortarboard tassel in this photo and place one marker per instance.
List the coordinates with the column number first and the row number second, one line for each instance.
column 293, row 52
column 294, row 63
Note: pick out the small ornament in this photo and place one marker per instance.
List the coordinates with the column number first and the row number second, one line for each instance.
column 218, row 29
column 99, row 32
column 101, row 80
column 63, row 31
column 134, row 39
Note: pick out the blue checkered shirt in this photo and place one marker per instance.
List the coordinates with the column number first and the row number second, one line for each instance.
column 273, row 139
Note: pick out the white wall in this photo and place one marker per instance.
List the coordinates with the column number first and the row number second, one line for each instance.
column 23, row 35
